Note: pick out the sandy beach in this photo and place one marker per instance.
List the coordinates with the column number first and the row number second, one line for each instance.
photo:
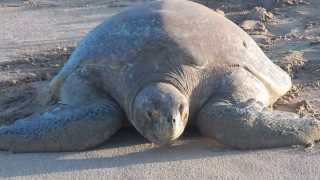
column 36, row 38
column 128, row 156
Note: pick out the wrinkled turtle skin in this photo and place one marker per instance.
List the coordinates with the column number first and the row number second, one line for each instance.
column 163, row 66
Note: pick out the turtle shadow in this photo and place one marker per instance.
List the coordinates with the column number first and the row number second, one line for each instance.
column 126, row 148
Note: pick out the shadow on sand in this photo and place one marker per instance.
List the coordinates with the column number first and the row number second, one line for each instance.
column 126, row 148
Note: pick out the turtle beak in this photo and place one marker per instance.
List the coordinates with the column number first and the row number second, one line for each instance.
column 167, row 129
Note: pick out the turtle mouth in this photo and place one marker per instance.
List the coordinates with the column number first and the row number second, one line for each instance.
column 164, row 132
column 159, row 142
column 160, row 132
column 162, row 140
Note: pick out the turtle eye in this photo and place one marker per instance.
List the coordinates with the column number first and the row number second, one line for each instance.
column 149, row 115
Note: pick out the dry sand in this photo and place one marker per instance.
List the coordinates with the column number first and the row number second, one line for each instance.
column 36, row 37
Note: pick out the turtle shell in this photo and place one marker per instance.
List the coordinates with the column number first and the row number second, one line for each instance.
column 158, row 40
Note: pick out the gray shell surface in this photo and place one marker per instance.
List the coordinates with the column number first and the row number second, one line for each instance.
column 158, row 40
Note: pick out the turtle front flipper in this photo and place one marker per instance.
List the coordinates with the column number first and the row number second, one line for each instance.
column 251, row 126
column 66, row 128
column 237, row 116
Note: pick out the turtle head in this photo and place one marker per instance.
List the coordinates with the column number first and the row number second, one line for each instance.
column 160, row 113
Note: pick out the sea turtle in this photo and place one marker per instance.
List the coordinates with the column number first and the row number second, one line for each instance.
column 165, row 65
